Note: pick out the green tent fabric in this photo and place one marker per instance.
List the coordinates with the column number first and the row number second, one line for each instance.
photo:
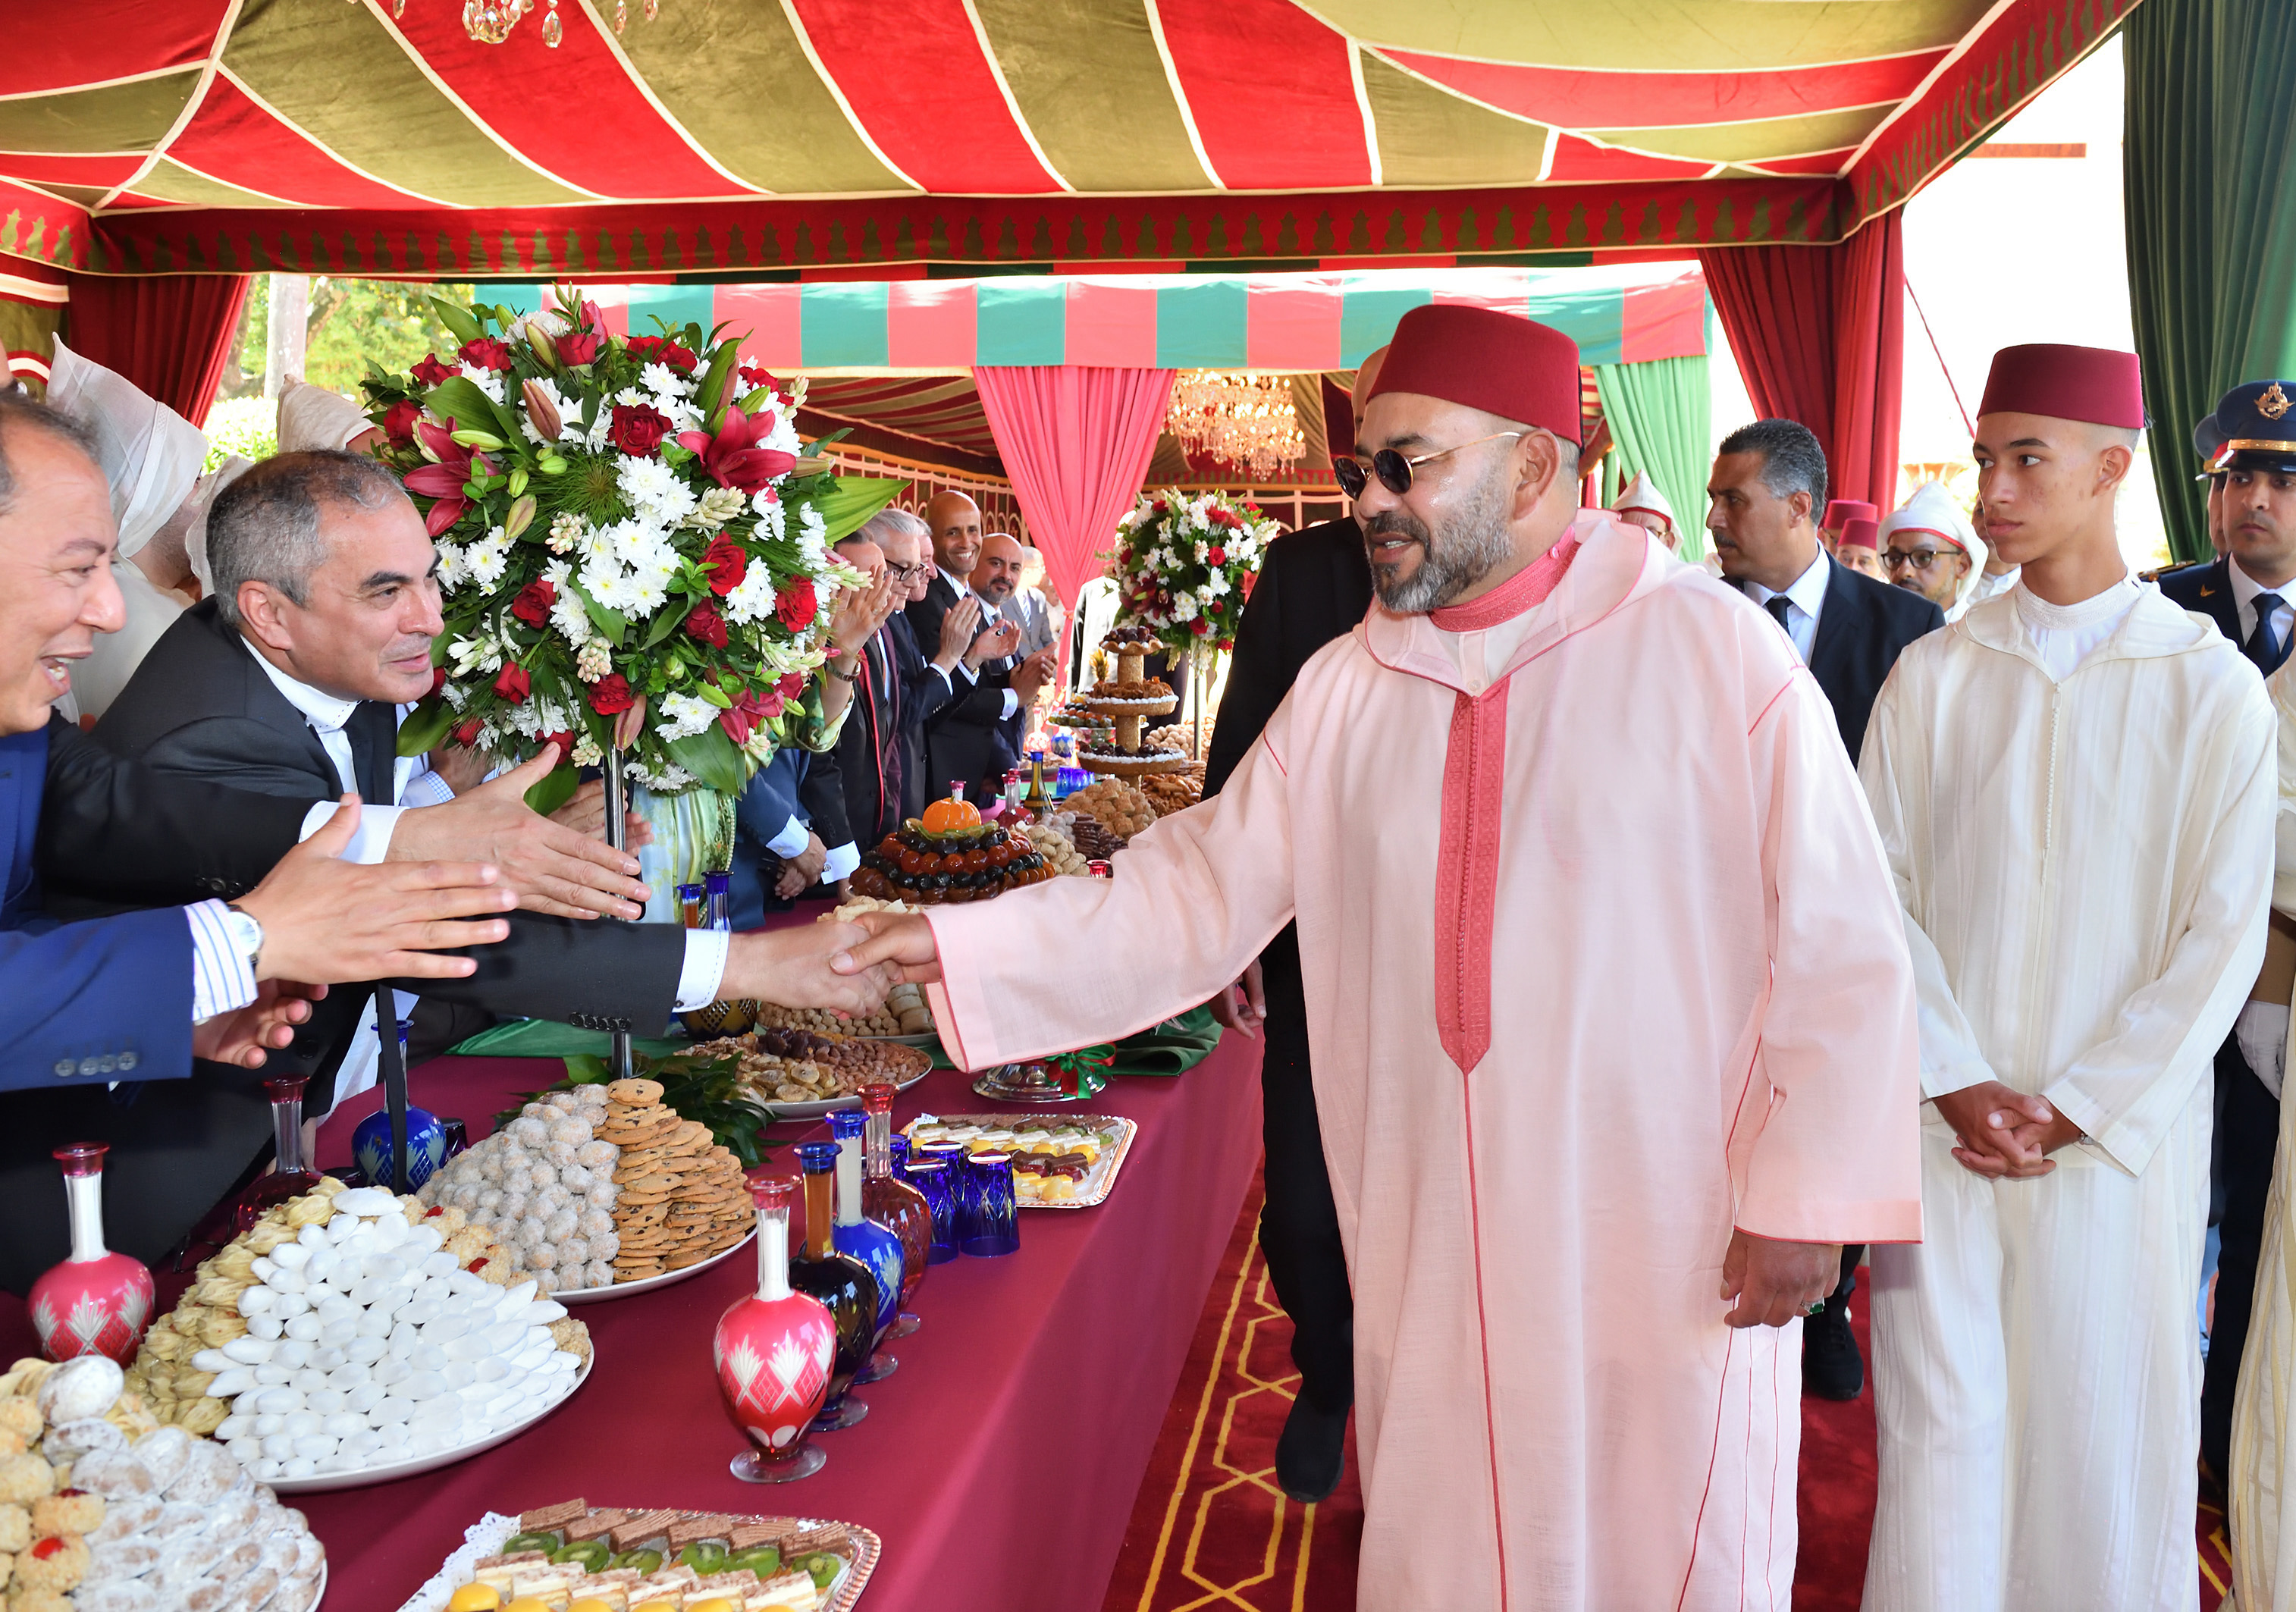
column 2211, row 221
column 1661, row 415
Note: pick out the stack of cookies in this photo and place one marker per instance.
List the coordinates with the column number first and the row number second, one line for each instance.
column 682, row 1197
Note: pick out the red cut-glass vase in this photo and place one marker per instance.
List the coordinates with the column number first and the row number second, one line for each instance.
column 773, row 1351
column 893, row 1203
column 96, row 1302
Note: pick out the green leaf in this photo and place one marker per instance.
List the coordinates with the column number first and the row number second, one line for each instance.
column 713, row 385
column 556, row 789
column 851, row 501
column 458, row 399
column 667, row 620
column 712, row 759
column 585, row 1069
column 613, row 624
column 455, row 319
column 425, row 727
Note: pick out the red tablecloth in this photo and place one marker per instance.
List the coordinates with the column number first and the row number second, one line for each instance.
column 1082, row 1334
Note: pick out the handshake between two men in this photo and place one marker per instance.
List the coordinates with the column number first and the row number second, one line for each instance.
column 448, row 874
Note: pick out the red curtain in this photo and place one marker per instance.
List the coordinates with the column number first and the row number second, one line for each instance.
column 1820, row 333
column 170, row 334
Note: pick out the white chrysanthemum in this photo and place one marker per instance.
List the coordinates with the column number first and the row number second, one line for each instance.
column 685, row 715
column 772, row 518
column 548, row 320
column 454, row 695
column 663, row 777
column 752, row 598
column 452, row 572
column 656, row 493
column 567, row 613
column 664, row 381
column 812, row 535
column 1216, row 586
column 629, row 396
column 1184, row 607
column 781, row 436
column 490, row 382
column 488, row 558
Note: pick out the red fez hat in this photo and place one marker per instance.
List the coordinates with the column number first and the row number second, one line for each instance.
column 1502, row 363
column 1860, row 532
column 2095, row 384
column 1842, row 510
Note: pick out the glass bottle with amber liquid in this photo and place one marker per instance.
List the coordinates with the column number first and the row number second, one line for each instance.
column 846, row 1287
column 893, row 1203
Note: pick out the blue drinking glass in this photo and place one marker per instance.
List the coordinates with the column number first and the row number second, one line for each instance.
column 987, row 1216
column 898, row 1148
column 935, row 1170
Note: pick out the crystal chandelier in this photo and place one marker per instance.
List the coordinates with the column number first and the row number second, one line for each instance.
column 1245, row 419
column 490, row 21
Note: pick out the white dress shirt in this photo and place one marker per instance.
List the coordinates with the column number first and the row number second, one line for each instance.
column 705, row 949
column 2246, row 591
column 1805, row 598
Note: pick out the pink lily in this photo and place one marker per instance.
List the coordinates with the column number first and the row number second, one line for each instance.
column 733, row 457
column 441, row 480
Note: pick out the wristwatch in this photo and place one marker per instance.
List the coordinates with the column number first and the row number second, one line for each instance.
column 854, row 675
column 246, row 933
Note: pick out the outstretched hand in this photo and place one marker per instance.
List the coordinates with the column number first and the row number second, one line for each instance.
column 553, row 868
column 1774, row 1283
column 798, row 968
column 904, row 941
column 1242, row 1007
column 241, row 1038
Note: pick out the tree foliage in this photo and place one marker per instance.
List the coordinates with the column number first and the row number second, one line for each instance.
column 351, row 321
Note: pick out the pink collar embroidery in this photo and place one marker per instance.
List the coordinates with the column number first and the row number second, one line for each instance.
column 1523, row 591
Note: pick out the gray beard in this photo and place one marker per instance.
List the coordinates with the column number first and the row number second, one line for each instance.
column 1474, row 543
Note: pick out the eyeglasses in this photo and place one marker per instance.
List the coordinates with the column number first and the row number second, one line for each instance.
column 1392, row 469
column 905, row 573
column 1919, row 560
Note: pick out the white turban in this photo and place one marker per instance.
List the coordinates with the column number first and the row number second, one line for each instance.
column 1641, row 493
column 1932, row 510
column 149, row 454
column 203, row 500
column 313, row 417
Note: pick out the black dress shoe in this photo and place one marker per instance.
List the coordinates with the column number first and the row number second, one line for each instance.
column 1830, row 1367
column 1311, row 1453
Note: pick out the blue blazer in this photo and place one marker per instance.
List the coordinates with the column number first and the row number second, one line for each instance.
column 106, row 1000
column 766, row 804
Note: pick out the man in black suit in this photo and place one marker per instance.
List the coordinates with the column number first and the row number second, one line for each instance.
column 1314, row 585
column 287, row 680
column 991, row 682
column 2250, row 592
column 1767, row 487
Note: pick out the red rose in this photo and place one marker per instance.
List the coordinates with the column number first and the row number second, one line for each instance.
column 467, row 732
column 638, row 429
column 438, row 678
column 565, row 743
column 399, row 421
column 755, row 375
column 1226, row 643
column 1156, row 508
column 1201, row 627
column 512, row 683
column 703, row 622
column 611, row 695
column 797, row 604
column 485, row 353
column 661, row 349
column 432, row 372
column 1216, row 557
column 727, row 562
column 578, row 347
column 791, row 684
column 534, row 601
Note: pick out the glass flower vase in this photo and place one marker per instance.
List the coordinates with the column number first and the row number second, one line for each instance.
column 95, row 1301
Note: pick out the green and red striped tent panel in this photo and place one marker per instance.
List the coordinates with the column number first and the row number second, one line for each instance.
column 1622, row 314
column 225, row 135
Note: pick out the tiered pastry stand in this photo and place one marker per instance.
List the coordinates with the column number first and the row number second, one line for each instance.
column 1131, row 718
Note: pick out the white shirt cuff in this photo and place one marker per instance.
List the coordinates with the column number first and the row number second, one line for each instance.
column 222, row 981
column 425, row 789
column 792, row 840
column 971, row 674
column 370, row 842
column 842, row 860
column 1012, row 704
column 704, row 969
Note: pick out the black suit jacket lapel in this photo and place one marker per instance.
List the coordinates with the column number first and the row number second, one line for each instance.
column 262, row 701
column 2221, row 601
column 1838, row 624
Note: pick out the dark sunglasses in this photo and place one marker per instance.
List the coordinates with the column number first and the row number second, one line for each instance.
column 1392, row 469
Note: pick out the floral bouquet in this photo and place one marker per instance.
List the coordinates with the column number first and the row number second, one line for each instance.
column 632, row 553
column 1185, row 566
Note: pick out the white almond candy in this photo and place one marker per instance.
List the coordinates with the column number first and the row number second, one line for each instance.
column 349, row 1374
column 274, row 1373
column 423, row 1386
column 390, row 1230
column 313, row 1237
column 326, row 1401
column 249, row 1351
column 493, row 1368
column 229, row 1383
column 289, row 1256
column 300, row 1467
column 390, row 1370
column 343, row 1424
column 212, row 1360
column 301, row 1423
column 469, row 1282
column 369, row 1324
column 270, row 1329
column 234, row 1426
column 361, row 1442
column 421, row 1312
column 335, row 1310
column 294, row 1352
column 279, row 1446
column 324, row 1263
column 391, row 1408
column 363, row 1399
column 342, row 1226
column 316, row 1446
column 328, row 1359
column 267, row 1424
column 366, row 1350
column 266, row 1470
column 297, row 1280
column 447, row 1328
column 459, row 1374
column 543, row 1313
column 286, row 1305
column 404, row 1336
column 256, row 1300
column 425, row 1239
column 280, row 1402
column 263, row 1268
column 390, row 1434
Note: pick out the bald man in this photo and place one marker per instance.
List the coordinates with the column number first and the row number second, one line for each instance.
column 966, row 743
column 1314, row 586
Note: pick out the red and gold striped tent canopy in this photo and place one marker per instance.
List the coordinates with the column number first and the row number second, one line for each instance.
column 810, row 137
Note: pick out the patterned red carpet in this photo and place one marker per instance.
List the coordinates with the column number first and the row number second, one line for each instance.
column 1211, row 1529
